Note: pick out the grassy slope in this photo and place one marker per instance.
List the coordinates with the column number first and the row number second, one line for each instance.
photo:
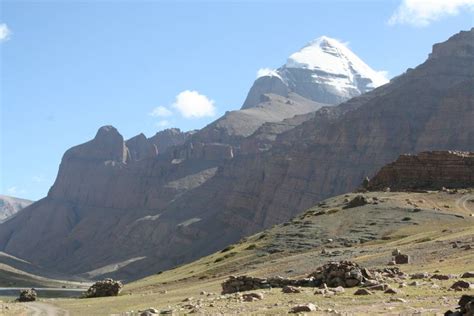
column 365, row 234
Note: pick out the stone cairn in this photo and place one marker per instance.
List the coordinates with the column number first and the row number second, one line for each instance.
column 107, row 287
column 27, row 296
column 333, row 274
column 344, row 273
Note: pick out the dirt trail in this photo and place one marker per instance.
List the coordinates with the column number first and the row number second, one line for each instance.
column 44, row 309
column 462, row 202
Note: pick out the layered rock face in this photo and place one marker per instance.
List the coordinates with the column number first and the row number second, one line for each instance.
column 427, row 170
column 115, row 211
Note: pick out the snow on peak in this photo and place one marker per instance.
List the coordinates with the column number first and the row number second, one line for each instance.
column 329, row 56
column 267, row 72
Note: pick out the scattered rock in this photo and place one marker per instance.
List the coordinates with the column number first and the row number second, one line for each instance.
column 466, row 275
column 362, row 292
column 378, row 287
column 357, row 201
column 290, row 289
column 148, row 312
column 107, row 287
column 334, row 274
column 461, row 285
column 420, row 275
column 250, row 297
column 390, row 290
column 27, row 296
column 303, row 308
column 442, row 277
column 338, row 289
column 398, row 299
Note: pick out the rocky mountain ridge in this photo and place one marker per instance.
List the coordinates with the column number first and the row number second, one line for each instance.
column 9, row 206
column 144, row 215
column 323, row 73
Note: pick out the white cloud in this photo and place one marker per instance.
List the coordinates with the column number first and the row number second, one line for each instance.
column 192, row 104
column 161, row 111
column 12, row 190
column 163, row 123
column 4, row 32
column 15, row 191
column 38, row 179
column 423, row 12
column 262, row 72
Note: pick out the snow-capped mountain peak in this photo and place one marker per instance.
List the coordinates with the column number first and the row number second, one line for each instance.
column 325, row 71
column 328, row 55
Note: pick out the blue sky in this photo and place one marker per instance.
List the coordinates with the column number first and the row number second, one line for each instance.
column 69, row 67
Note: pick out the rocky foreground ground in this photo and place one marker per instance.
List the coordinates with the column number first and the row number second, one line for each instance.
column 433, row 231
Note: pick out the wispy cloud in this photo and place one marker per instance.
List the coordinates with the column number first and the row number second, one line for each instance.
column 163, row 123
column 38, row 179
column 424, row 12
column 5, row 32
column 15, row 191
column 192, row 104
column 161, row 111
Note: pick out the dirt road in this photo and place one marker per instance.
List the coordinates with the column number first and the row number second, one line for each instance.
column 44, row 309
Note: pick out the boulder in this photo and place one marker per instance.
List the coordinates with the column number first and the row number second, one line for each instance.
column 27, row 295
column 467, row 275
column 290, row 289
column 303, row 308
column 420, row 275
column 250, row 297
column 362, row 292
column 359, row 200
column 107, row 287
column 402, row 259
column 461, row 285
column 466, row 307
column 390, row 290
column 149, row 312
column 442, row 276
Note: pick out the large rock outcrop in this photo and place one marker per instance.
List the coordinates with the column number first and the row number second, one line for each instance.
column 118, row 216
column 427, row 170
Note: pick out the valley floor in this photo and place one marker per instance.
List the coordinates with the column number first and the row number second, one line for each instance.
column 435, row 228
